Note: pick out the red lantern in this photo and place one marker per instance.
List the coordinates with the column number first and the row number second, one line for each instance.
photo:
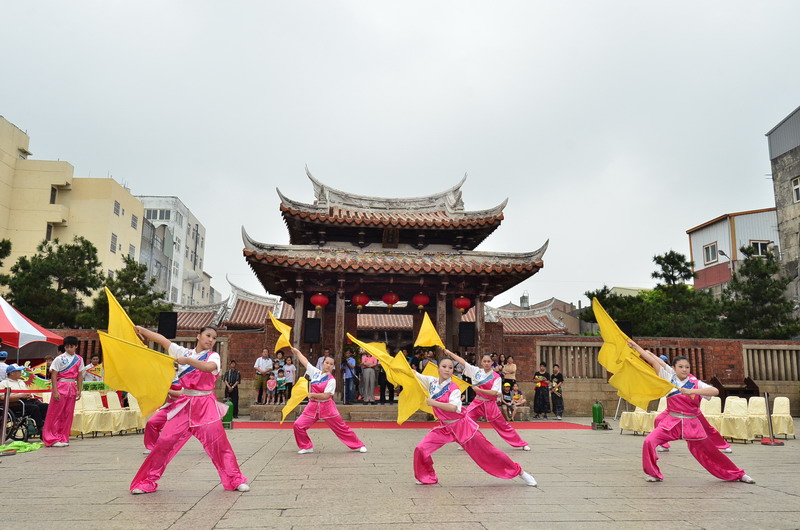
column 360, row 300
column 461, row 303
column 390, row 299
column 319, row 301
column 420, row 300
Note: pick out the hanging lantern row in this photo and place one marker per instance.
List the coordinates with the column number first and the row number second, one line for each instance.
column 319, row 301
column 461, row 303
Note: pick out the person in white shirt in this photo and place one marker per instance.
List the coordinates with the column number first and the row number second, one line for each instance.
column 263, row 366
column 94, row 366
column 3, row 365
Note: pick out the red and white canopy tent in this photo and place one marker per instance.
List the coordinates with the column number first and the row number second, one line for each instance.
column 18, row 331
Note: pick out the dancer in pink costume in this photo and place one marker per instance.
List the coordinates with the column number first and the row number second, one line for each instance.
column 457, row 426
column 320, row 406
column 196, row 413
column 156, row 423
column 486, row 383
column 681, row 421
column 66, row 375
column 713, row 435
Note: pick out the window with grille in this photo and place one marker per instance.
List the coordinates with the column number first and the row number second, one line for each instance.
column 114, row 243
column 134, row 222
column 117, row 207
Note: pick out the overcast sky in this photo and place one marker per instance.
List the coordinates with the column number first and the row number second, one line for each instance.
column 611, row 126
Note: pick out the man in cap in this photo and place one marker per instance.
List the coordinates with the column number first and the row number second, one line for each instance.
column 23, row 404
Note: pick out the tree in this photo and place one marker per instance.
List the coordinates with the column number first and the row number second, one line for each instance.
column 134, row 293
column 47, row 287
column 675, row 269
column 755, row 304
column 5, row 251
column 672, row 309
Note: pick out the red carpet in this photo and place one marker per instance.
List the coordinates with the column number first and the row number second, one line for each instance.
column 519, row 425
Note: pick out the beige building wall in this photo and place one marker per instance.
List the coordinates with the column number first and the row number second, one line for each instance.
column 41, row 199
column 102, row 210
column 27, row 188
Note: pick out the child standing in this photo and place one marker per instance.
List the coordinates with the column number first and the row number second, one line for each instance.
column 66, row 375
column 272, row 385
column 280, row 390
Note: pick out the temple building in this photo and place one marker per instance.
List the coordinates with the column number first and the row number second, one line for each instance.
column 351, row 255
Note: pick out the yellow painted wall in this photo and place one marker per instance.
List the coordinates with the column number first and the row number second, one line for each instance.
column 90, row 202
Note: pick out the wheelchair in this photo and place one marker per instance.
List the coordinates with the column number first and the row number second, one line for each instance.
column 19, row 428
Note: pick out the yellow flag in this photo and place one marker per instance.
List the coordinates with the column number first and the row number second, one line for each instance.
column 129, row 365
column 427, row 334
column 299, row 393
column 143, row 372
column 399, row 373
column 431, row 370
column 635, row 380
column 119, row 323
column 285, row 340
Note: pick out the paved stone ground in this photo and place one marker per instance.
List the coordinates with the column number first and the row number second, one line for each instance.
column 585, row 478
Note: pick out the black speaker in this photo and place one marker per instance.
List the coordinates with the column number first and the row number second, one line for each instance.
column 466, row 334
column 311, row 331
column 626, row 327
column 168, row 324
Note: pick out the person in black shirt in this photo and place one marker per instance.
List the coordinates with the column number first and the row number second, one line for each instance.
column 556, row 381
column 232, row 379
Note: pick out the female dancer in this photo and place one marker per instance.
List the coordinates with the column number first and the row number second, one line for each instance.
column 320, row 406
column 155, row 424
column 682, row 421
column 456, row 426
column 487, row 385
column 195, row 413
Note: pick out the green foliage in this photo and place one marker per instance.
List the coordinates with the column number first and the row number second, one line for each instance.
column 672, row 309
column 755, row 303
column 46, row 286
column 5, row 251
column 134, row 294
column 675, row 270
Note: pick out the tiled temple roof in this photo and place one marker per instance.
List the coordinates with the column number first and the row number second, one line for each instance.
column 241, row 310
column 440, row 210
column 308, row 257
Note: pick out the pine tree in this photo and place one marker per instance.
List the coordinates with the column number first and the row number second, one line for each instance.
column 755, row 303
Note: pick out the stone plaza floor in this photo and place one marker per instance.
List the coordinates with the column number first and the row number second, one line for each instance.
column 585, row 478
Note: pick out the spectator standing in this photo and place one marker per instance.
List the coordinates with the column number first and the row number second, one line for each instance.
column 509, row 372
column 541, row 398
column 556, row 391
column 325, row 353
column 272, row 388
column 263, row 366
column 290, row 372
column 349, row 369
column 232, row 379
column 368, row 364
column 280, row 390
